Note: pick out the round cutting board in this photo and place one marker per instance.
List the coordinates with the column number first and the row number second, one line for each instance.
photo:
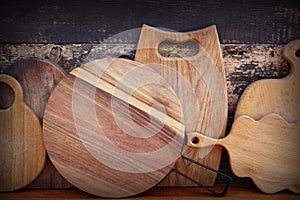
column 104, row 128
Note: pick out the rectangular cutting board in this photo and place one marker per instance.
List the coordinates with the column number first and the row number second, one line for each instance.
column 200, row 84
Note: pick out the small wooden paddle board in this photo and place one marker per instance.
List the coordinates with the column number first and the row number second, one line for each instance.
column 22, row 150
column 267, row 151
column 38, row 77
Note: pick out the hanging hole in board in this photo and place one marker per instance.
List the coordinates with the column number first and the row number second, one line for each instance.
column 297, row 53
column 7, row 96
column 178, row 49
column 195, row 140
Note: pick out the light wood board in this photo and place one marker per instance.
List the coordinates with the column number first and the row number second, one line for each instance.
column 281, row 96
column 38, row 77
column 199, row 81
column 267, row 151
column 22, row 151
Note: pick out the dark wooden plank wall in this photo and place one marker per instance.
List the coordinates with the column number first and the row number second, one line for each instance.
column 91, row 21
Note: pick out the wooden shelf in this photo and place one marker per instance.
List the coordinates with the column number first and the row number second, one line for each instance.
column 237, row 191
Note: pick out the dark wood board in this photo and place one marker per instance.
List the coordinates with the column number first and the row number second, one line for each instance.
column 267, row 21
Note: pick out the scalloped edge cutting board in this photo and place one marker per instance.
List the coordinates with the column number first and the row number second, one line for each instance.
column 281, row 96
column 266, row 150
column 199, row 81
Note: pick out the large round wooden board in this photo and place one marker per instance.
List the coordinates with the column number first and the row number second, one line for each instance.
column 113, row 128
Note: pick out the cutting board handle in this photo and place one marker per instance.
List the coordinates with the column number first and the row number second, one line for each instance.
column 198, row 140
column 291, row 52
column 158, row 36
column 16, row 87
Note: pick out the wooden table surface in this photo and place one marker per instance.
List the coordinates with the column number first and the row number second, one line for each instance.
column 237, row 191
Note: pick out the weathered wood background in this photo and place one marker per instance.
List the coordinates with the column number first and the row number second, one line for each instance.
column 252, row 34
column 244, row 63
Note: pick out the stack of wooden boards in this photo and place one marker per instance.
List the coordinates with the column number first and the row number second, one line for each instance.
column 115, row 127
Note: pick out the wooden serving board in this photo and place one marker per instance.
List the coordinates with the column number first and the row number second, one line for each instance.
column 267, row 151
column 199, row 82
column 112, row 128
column 38, row 77
column 22, row 150
column 281, row 96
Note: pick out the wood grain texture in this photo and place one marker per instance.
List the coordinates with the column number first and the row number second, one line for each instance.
column 22, row 148
column 80, row 22
column 199, row 82
column 275, row 96
column 103, row 130
column 264, row 150
column 38, row 77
